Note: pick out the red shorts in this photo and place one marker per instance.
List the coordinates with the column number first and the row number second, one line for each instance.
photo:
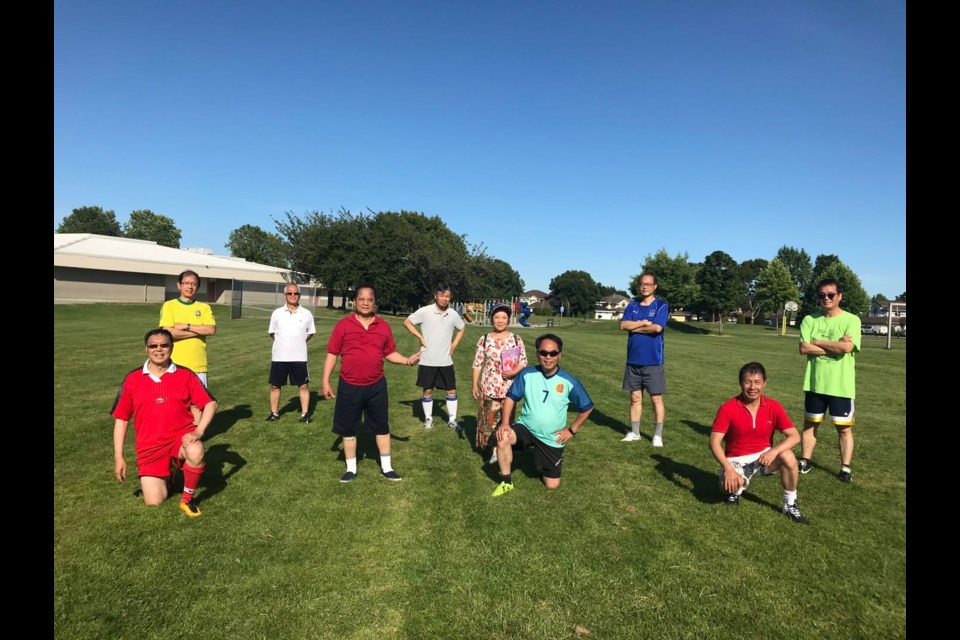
column 156, row 462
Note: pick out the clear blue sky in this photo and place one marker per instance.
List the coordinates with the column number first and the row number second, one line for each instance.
column 560, row 134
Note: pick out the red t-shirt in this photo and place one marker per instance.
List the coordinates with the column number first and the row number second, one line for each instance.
column 361, row 349
column 744, row 435
column 160, row 408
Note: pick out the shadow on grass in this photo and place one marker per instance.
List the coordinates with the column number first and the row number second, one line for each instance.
column 601, row 419
column 225, row 419
column 293, row 403
column 686, row 327
column 217, row 458
column 699, row 427
column 702, row 484
column 522, row 463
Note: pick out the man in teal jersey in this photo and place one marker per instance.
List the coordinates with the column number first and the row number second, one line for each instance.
column 547, row 391
column 830, row 339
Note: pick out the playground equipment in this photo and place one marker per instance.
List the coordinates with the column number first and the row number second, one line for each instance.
column 525, row 312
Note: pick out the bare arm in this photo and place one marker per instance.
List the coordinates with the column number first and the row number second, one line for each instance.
column 328, row 366
column 840, row 347
column 732, row 481
column 206, row 416
column 413, row 329
column 790, row 440
column 119, row 437
column 640, row 326
column 568, row 432
column 397, row 358
column 456, row 339
column 183, row 330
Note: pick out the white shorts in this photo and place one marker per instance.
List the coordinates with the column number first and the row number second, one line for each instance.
column 747, row 467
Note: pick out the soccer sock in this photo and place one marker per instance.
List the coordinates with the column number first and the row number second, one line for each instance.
column 846, row 467
column 385, row 464
column 635, row 427
column 427, row 406
column 352, row 465
column 451, row 407
column 658, row 429
column 789, row 497
column 506, row 478
column 191, row 479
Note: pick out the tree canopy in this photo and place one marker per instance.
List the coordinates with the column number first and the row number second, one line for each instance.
column 576, row 290
column 749, row 271
column 855, row 298
column 676, row 279
column 91, row 220
column 797, row 262
column 720, row 285
column 775, row 286
column 253, row 244
column 144, row 224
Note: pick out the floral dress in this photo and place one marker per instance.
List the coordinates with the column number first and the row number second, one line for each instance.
column 493, row 387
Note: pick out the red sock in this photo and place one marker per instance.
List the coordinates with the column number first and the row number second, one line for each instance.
column 191, row 478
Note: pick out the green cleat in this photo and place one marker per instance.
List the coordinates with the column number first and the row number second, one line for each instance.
column 502, row 488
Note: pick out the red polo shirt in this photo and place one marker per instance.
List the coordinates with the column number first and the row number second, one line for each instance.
column 361, row 349
column 744, row 434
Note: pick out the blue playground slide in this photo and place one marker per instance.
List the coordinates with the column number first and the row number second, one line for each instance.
column 525, row 312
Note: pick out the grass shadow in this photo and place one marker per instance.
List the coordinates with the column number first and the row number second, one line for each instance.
column 699, row 427
column 522, row 463
column 686, row 327
column 217, row 458
column 293, row 403
column 702, row 484
column 223, row 420
column 601, row 419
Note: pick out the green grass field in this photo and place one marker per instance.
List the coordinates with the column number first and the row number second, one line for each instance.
column 635, row 543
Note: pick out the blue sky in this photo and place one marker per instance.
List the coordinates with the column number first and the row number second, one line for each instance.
column 559, row 134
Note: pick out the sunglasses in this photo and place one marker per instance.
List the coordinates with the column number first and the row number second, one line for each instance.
column 824, row 296
column 550, row 354
column 293, row 293
column 163, row 345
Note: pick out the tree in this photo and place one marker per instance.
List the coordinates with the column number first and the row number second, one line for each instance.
column 91, row 220
column 576, row 290
column 144, row 224
column 489, row 278
column 797, row 262
column 610, row 290
column 749, row 270
column 256, row 245
column 903, row 296
column 775, row 286
column 676, row 279
column 720, row 286
column 855, row 298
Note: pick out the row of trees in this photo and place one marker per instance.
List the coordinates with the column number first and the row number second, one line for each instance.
column 142, row 224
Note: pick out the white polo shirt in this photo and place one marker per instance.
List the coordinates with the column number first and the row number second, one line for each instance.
column 290, row 330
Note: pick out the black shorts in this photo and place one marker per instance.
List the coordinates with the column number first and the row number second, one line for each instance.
column 353, row 402
column 815, row 405
column 296, row 372
column 436, row 377
column 649, row 377
column 548, row 458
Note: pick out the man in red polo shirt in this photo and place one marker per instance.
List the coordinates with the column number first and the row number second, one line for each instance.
column 742, row 441
column 362, row 340
column 158, row 396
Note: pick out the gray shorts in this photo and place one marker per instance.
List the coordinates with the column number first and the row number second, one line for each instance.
column 645, row 377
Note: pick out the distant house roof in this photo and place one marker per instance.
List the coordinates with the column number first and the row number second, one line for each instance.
column 543, row 295
column 93, row 251
column 613, row 300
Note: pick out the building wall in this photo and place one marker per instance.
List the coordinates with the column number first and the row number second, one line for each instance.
column 94, row 285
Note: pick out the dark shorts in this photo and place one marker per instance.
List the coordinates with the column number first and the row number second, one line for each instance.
column 815, row 405
column 649, row 377
column 436, row 377
column 353, row 402
column 296, row 372
column 548, row 458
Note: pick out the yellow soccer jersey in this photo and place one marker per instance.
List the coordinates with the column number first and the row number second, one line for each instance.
column 188, row 352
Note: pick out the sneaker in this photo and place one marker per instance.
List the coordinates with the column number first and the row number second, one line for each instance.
column 273, row 417
column 190, row 508
column 305, row 418
column 845, row 476
column 804, row 465
column 631, row 437
column 732, row 500
column 657, row 441
column 502, row 488
column 493, row 458
column 792, row 511
column 453, row 425
column 391, row 475
column 348, row 476
column 428, row 423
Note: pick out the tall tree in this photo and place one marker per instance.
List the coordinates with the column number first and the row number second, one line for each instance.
column 720, row 285
column 749, row 270
column 797, row 262
column 489, row 278
column 144, row 224
column 253, row 244
column 91, row 220
column 855, row 298
column 775, row 286
column 676, row 279
column 577, row 290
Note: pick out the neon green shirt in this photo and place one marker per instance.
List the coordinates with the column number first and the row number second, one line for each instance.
column 831, row 374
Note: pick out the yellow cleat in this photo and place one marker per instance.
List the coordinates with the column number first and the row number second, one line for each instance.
column 190, row 508
column 502, row 488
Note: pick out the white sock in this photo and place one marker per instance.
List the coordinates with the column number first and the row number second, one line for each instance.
column 427, row 407
column 789, row 497
column 451, row 407
column 385, row 465
column 352, row 465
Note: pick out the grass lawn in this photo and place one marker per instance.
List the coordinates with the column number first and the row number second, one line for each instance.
column 634, row 544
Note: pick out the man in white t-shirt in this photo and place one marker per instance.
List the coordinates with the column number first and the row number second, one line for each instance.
column 291, row 328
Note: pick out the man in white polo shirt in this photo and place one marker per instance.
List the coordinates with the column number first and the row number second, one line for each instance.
column 291, row 327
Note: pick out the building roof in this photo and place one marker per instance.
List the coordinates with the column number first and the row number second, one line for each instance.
column 92, row 251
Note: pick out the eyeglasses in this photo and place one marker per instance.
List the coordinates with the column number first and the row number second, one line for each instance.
column 550, row 354
column 648, row 284
column 153, row 346
column 293, row 293
column 190, row 284
column 824, row 296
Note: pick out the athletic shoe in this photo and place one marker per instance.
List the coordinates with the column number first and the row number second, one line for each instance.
column 792, row 511
column 273, row 417
column 631, row 437
column 502, row 488
column 804, row 465
column 348, row 476
column 428, row 423
column 493, row 458
column 391, row 475
column 190, row 508
column 305, row 418
column 732, row 500
column 845, row 476
column 657, row 441
column 453, row 425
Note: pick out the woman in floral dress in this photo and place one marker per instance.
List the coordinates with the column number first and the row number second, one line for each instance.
column 500, row 356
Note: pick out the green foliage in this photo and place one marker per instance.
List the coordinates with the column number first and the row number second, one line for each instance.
column 676, row 279
column 490, row 278
column 576, row 290
column 775, row 287
column 749, row 271
column 855, row 298
column 253, row 244
column 144, row 224
column 91, row 220
column 797, row 262
column 721, row 287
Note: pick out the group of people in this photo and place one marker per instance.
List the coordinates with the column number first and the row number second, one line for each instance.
column 171, row 406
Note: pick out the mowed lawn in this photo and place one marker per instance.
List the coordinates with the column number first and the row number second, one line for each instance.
column 634, row 544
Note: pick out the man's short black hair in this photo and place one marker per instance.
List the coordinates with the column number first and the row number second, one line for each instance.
column 365, row 285
column 550, row 336
column 159, row 331
column 189, row 272
column 826, row 282
column 752, row 368
column 441, row 287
